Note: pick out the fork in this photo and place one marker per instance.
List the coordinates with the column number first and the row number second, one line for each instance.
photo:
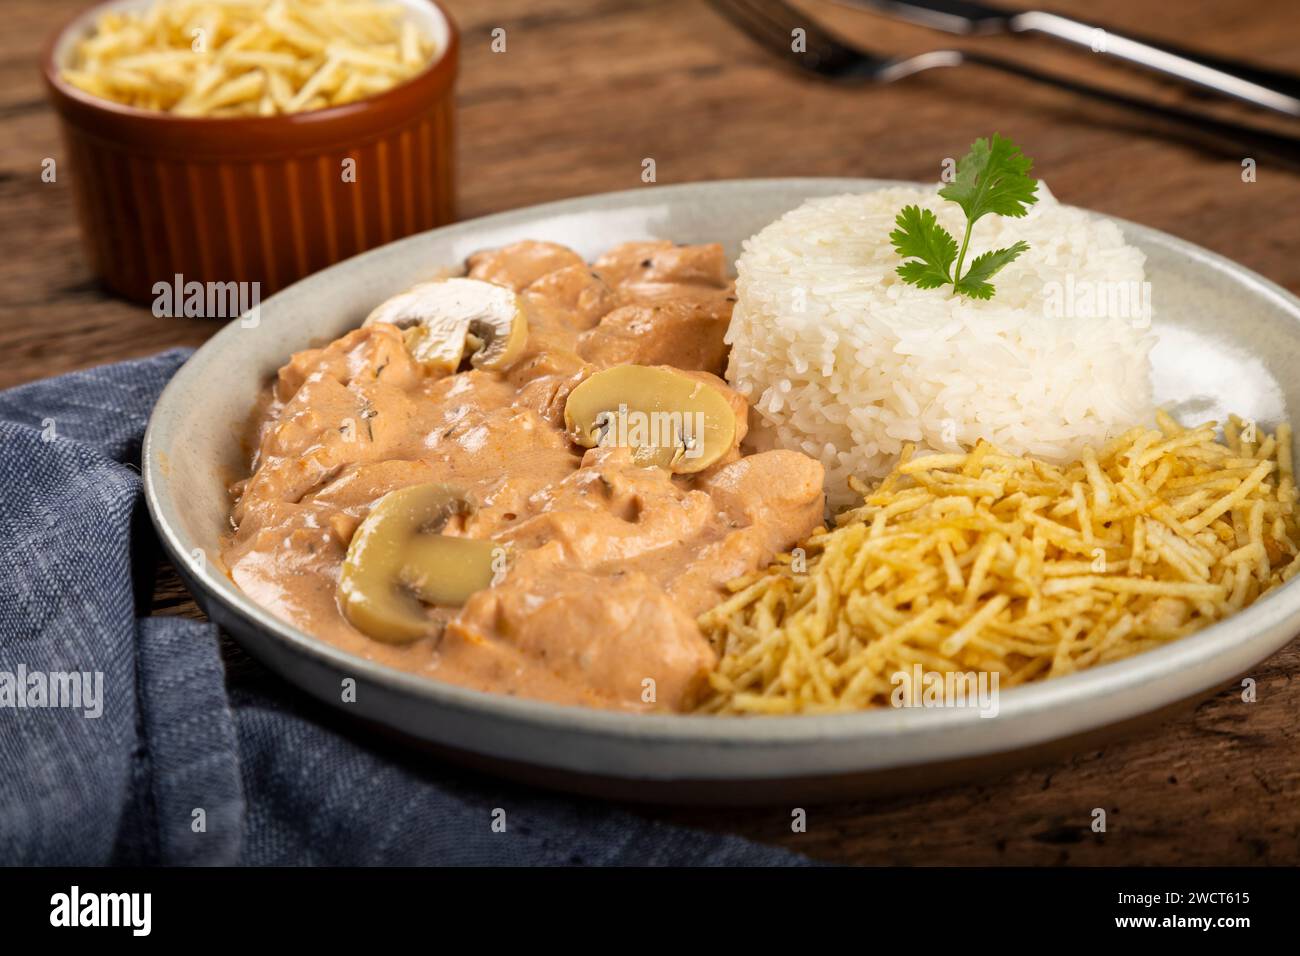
column 773, row 22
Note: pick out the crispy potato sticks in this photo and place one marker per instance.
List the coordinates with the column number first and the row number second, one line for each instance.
column 989, row 562
column 248, row 57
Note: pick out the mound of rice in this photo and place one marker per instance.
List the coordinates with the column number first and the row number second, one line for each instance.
column 846, row 362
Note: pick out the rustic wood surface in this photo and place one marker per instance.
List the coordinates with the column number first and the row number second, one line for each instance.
column 585, row 91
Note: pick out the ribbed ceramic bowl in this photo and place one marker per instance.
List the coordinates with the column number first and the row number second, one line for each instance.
column 258, row 199
column 1229, row 340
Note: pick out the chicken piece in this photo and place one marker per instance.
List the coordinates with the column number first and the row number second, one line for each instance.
column 611, row 512
column 650, row 266
column 771, row 501
column 520, row 264
column 627, row 645
column 683, row 334
column 575, row 296
column 779, row 489
column 323, row 428
column 366, row 354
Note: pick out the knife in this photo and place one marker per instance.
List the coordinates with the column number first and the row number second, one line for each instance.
column 1269, row 89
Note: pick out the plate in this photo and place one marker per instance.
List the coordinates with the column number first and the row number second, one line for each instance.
column 1229, row 341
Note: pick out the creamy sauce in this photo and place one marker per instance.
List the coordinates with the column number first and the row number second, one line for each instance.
column 610, row 562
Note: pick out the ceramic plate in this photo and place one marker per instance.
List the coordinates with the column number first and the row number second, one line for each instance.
column 1229, row 341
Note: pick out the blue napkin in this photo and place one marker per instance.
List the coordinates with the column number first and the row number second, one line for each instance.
column 124, row 741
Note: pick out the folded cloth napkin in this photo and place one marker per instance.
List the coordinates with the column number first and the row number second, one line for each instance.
column 124, row 741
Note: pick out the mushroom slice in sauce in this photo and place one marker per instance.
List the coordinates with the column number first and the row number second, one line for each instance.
column 672, row 419
column 397, row 562
column 449, row 320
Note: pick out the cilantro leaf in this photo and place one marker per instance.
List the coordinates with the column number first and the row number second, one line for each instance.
column 993, row 177
column 975, row 283
column 930, row 247
column 923, row 275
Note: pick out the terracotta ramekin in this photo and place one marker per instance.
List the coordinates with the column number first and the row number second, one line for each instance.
column 259, row 199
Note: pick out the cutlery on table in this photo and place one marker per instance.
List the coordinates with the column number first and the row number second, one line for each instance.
column 772, row 24
column 1270, row 89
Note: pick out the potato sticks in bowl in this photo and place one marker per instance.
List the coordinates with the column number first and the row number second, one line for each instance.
column 224, row 58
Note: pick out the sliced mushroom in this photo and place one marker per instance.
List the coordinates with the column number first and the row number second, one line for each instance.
column 397, row 560
column 671, row 419
column 450, row 320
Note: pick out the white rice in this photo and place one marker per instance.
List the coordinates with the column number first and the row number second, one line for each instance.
column 846, row 362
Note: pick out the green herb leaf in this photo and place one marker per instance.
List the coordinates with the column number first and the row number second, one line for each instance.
column 920, row 238
column 975, row 283
column 993, row 177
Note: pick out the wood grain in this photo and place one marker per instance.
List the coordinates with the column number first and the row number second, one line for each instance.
column 587, row 89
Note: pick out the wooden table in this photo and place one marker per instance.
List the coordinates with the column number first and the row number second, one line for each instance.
column 585, row 91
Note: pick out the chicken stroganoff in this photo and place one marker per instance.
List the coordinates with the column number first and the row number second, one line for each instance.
column 526, row 480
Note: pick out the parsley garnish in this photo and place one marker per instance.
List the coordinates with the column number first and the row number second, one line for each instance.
column 992, row 177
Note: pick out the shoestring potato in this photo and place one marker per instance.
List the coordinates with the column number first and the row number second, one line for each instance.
column 1003, row 563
